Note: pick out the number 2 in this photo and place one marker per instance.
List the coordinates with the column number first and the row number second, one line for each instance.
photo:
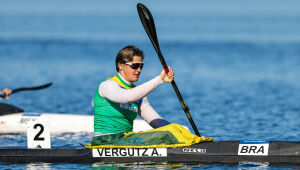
column 37, row 136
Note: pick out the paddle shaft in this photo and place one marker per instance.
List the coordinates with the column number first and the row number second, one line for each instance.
column 183, row 105
column 27, row 88
column 149, row 26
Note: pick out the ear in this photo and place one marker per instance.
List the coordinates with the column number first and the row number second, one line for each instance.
column 120, row 65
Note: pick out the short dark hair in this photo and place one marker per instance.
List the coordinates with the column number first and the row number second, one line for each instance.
column 127, row 53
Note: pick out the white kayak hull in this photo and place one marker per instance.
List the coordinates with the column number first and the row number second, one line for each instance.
column 59, row 123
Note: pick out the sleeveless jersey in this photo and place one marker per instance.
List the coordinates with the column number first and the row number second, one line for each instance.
column 112, row 117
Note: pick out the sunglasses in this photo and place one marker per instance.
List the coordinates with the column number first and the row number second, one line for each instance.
column 135, row 65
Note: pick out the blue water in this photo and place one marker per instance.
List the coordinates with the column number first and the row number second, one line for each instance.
column 236, row 65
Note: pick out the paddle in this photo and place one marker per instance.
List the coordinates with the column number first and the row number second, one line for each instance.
column 149, row 26
column 28, row 88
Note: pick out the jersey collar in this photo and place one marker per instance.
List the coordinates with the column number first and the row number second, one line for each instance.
column 126, row 83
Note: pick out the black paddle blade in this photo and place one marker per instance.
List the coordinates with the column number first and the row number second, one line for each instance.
column 32, row 88
column 148, row 23
column 149, row 26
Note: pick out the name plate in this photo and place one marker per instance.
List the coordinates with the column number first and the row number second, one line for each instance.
column 130, row 152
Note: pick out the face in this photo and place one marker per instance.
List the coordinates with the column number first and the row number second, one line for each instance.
column 129, row 74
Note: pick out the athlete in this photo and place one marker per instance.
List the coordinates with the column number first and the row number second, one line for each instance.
column 7, row 91
column 117, row 101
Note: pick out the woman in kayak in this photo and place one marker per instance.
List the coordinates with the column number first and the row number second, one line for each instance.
column 7, row 91
column 117, row 100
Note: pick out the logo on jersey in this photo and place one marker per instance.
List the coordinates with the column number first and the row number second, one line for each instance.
column 129, row 107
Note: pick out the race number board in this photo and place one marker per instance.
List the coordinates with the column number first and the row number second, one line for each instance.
column 38, row 134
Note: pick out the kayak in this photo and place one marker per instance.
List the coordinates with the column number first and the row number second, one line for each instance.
column 13, row 121
column 228, row 152
column 225, row 152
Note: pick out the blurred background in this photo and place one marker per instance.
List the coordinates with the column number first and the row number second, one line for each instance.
column 236, row 62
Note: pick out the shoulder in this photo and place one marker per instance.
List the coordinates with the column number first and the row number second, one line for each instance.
column 108, row 84
column 107, row 87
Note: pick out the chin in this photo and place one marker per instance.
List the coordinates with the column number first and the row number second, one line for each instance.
column 135, row 79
